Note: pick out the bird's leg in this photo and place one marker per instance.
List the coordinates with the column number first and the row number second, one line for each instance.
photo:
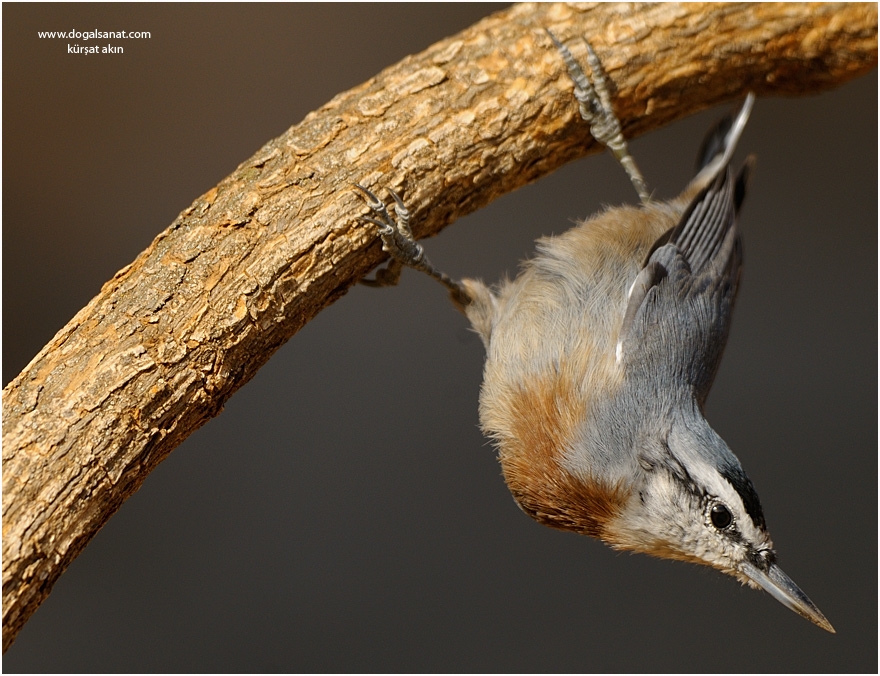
column 594, row 99
column 398, row 240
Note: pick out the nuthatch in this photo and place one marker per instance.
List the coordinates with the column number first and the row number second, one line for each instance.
column 601, row 353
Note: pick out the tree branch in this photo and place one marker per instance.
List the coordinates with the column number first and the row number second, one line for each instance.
column 172, row 336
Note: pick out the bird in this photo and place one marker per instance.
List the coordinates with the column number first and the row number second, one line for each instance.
column 600, row 355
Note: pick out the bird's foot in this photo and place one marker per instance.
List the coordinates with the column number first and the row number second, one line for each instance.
column 594, row 100
column 398, row 241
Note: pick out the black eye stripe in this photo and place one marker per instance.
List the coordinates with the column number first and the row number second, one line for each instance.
column 737, row 478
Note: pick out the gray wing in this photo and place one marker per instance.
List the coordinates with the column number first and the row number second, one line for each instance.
column 678, row 313
column 707, row 229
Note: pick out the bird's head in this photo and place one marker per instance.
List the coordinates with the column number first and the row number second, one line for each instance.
column 692, row 501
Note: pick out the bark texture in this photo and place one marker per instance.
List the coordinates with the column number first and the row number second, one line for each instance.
column 176, row 332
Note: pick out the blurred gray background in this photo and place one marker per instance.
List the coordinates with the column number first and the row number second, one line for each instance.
column 344, row 513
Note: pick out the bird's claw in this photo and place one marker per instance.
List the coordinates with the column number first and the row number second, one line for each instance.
column 399, row 242
column 594, row 101
column 396, row 235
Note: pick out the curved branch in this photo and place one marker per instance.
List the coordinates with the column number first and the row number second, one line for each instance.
column 172, row 336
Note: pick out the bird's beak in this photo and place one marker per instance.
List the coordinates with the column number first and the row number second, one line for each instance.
column 781, row 587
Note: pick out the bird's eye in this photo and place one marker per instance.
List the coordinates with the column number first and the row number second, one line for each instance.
column 721, row 516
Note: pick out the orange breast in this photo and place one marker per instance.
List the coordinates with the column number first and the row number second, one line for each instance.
column 543, row 420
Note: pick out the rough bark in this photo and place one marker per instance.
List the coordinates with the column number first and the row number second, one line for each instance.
column 175, row 333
